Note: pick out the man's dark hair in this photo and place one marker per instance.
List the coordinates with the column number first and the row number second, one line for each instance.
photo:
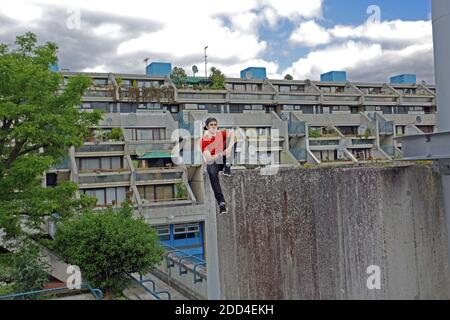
column 208, row 121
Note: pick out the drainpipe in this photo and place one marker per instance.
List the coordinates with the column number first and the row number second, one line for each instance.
column 441, row 41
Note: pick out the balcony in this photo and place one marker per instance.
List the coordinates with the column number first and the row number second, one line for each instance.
column 148, row 146
column 111, row 148
column 241, row 97
column 361, row 143
column 196, row 96
column 158, row 175
column 102, row 177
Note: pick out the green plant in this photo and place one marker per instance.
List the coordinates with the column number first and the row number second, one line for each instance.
column 217, row 79
column 181, row 191
column 179, row 77
column 31, row 272
column 288, row 77
column 314, row 133
column 115, row 134
column 40, row 120
column 119, row 81
column 367, row 133
column 108, row 245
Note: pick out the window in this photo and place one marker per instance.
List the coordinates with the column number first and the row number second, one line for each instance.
column 107, row 196
column 157, row 193
column 186, row 231
column 239, row 87
column 100, row 82
column 146, row 134
column 285, row 88
column 163, row 233
column 103, row 163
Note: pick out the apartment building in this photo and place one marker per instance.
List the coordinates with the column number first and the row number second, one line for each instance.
column 129, row 155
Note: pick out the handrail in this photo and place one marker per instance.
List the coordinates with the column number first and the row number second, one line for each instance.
column 97, row 293
column 151, row 292
column 199, row 279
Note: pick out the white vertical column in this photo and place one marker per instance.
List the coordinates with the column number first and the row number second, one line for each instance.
column 441, row 42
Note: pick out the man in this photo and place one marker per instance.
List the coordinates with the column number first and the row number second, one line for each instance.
column 218, row 157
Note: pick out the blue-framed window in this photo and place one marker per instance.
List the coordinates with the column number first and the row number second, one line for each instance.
column 187, row 237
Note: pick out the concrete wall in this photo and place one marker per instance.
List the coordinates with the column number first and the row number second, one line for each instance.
column 312, row 234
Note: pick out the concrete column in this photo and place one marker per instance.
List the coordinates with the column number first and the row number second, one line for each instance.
column 441, row 43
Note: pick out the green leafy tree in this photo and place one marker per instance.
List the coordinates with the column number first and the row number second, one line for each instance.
column 288, row 77
column 30, row 271
column 217, row 79
column 39, row 121
column 178, row 77
column 107, row 245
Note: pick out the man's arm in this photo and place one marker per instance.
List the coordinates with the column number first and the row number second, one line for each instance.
column 230, row 133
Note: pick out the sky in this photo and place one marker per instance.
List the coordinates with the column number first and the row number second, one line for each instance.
column 371, row 40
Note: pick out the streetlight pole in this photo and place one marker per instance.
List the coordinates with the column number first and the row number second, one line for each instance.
column 206, row 63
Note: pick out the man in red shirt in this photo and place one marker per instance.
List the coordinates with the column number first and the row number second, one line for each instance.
column 217, row 157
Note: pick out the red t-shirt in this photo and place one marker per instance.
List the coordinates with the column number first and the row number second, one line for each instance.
column 214, row 145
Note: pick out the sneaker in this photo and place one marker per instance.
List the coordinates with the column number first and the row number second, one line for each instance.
column 222, row 208
column 227, row 170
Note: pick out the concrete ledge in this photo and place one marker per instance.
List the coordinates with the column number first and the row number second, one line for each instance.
column 313, row 233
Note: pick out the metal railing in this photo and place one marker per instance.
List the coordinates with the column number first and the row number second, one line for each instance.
column 141, row 282
column 184, row 255
column 97, row 293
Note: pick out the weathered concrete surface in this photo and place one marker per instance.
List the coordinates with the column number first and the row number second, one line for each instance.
column 312, row 234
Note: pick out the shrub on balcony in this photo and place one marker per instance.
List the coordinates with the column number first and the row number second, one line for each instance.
column 181, row 191
column 313, row 133
column 115, row 134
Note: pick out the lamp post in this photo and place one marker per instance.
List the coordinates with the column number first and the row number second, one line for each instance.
column 206, row 63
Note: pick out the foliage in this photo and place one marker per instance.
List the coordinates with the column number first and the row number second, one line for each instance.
column 39, row 121
column 367, row 133
column 115, row 134
column 181, row 191
column 30, row 271
column 217, row 79
column 107, row 245
column 313, row 133
column 288, row 77
column 178, row 77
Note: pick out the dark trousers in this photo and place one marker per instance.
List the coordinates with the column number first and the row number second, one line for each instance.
column 213, row 172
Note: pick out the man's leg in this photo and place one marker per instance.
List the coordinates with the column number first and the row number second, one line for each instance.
column 213, row 172
column 229, row 160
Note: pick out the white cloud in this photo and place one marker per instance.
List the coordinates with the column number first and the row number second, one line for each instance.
column 380, row 48
column 108, row 30
column 21, row 12
column 310, row 34
column 386, row 31
column 335, row 57
column 295, row 8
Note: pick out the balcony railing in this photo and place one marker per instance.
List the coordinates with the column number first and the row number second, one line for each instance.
column 101, row 148
column 103, row 178
column 161, row 175
column 323, row 142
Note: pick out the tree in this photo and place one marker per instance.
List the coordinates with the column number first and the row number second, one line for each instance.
column 107, row 245
column 288, row 77
column 217, row 79
column 39, row 121
column 178, row 76
column 30, row 271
